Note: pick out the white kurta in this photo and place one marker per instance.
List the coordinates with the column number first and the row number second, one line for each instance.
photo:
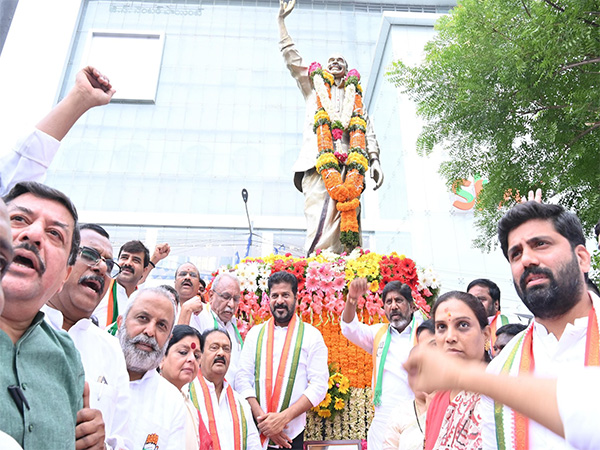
column 394, row 387
column 105, row 372
column 206, row 321
column 223, row 417
column 578, row 395
column 312, row 375
column 157, row 407
column 28, row 160
column 551, row 357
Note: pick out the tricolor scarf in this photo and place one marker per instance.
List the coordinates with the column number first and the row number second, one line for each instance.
column 240, row 424
column 272, row 377
column 235, row 328
column 113, row 306
column 494, row 326
column 380, row 351
column 512, row 428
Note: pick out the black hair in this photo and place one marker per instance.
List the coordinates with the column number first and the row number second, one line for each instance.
column 46, row 192
column 474, row 305
column 426, row 325
column 210, row 331
column 512, row 329
column 400, row 288
column 136, row 247
column 565, row 222
column 493, row 288
column 94, row 227
column 180, row 332
column 283, row 277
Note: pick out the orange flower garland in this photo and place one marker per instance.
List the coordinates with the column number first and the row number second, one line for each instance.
column 331, row 155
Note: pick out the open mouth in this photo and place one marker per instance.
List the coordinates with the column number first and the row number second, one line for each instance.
column 23, row 261
column 94, row 285
column 186, row 283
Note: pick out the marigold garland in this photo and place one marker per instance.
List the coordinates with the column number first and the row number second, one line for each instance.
column 329, row 127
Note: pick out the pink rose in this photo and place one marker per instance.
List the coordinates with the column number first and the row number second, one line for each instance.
column 337, row 133
column 354, row 73
column 341, row 157
column 314, row 66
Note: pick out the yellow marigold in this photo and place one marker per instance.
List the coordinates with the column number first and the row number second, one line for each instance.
column 358, row 158
column 331, row 382
column 337, row 377
column 326, row 402
column 327, row 76
column 324, row 413
column 358, row 121
column 321, row 115
column 339, row 403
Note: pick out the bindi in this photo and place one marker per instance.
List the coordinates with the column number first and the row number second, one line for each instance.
column 193, row 345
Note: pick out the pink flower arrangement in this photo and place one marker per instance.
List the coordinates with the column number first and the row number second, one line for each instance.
column 337, row 133
column 341, row 157
column 314, row 67
column 353, row 73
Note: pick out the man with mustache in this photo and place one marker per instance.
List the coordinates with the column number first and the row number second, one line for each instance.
column 220, row 313
column 391, row 343
column 545, row 247
column 101, row 355
column 226, row 412
column 135, row 262
column 157, row 411
column 190, row 288
column 322, row 217
column 488, row 293
column 290, row 382
column 40, row 369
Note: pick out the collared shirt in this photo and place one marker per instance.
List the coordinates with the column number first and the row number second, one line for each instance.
column 46, row 366
column 223, row 417
column 299, row 70
column 101, row 310
column 578, row 397
column 551, row 357
column 28, row 160
column 157, row 407
column 394, row 383
column 206, row 321
column 105, row 372
column 312, row 375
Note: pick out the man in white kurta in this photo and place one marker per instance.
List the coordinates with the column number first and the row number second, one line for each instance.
column 306, row 178
column 216, row 352
column 157, row 412
column 310, row 384
column 398, row 306
column 221, row 314
column 101, row 354
column 545, row 247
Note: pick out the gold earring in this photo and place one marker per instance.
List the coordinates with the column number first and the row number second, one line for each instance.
column 486, row 346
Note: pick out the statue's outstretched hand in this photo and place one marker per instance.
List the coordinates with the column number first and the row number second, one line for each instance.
column 376, row 173
column 285, row 8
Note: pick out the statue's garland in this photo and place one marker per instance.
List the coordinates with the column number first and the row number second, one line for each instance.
column 329, row 127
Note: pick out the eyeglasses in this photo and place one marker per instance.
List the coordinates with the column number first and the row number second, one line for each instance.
column 227, row 296
column 183, row 274
column 92, row 258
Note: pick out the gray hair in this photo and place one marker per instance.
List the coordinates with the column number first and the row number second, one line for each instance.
column 158, row 290
column 222, row 275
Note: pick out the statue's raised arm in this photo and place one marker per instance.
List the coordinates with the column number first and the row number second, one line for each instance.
column 339, row 146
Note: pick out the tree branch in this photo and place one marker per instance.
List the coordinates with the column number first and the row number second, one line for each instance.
column 583, row 133
column 580, row 63
column 526, row 8
column 561, row 9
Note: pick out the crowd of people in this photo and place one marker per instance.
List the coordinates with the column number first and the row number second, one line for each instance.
column 92, row 358
column 179, row 375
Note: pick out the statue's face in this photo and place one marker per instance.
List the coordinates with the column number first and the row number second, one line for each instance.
column 337, row 66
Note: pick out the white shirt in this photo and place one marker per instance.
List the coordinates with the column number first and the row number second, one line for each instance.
column 157, row 407
column 205, row 320
column 578, row 395
column 28, row 160
column 223, row 417
column 394, row 385
column 101, row 310
column 105, row 372
column 551, row 357
column 312, row 375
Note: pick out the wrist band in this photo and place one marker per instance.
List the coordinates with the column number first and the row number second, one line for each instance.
column 152, row 264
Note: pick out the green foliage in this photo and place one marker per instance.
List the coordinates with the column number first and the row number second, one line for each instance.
column 510, row 89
